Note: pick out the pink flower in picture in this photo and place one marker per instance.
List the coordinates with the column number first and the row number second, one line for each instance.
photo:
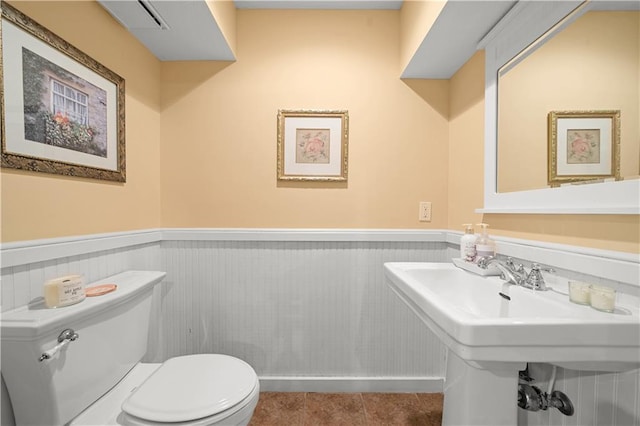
column 312, row 145
column 580, row 146
column 583, row 146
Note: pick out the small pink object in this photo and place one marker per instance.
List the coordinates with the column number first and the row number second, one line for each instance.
column 99, row 290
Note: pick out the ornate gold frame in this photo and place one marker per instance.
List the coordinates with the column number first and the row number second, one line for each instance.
column 311, row 174
column 555, row 179
column 44, row 165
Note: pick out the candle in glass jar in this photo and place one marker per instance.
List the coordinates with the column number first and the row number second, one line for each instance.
column 603, row 298
column 579, row 292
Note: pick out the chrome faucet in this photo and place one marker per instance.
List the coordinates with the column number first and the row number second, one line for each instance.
column 509, row 272
column 517, row 275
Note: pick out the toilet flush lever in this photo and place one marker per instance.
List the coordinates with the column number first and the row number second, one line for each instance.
column 67, row 336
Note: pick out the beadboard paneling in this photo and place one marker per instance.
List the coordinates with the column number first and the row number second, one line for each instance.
column 296, row 308
column 23, row 282
column 312, row 305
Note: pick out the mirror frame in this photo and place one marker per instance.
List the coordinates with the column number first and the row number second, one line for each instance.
column 511, row 40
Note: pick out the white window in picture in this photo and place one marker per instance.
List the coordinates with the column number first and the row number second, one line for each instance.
column 69, row 102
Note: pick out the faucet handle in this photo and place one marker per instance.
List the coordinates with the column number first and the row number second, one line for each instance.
column 535, row 279
column 510, row 263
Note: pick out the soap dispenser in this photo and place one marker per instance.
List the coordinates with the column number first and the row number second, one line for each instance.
column 485, row 246
column 468, row 244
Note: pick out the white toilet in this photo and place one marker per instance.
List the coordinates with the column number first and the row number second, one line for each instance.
column 97, row 378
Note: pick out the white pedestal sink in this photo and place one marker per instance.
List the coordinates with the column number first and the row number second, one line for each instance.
column 492, row 329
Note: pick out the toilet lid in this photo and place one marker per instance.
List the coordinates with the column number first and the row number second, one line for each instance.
column 191, row 387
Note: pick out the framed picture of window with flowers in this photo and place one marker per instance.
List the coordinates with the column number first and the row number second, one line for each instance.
column 583, row 146
column 313, row 145
column 62, row 111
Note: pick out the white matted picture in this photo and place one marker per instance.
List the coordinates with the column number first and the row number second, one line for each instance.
column 62, row 112
column 312, row 145
column 583, row 146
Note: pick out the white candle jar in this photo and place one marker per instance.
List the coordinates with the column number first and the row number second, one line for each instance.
column 579, row 292
column 603, row 298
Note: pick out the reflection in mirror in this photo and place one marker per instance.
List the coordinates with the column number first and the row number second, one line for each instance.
column 593, row 64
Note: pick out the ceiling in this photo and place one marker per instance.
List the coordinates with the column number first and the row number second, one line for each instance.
column 182, row 30
column 173, row 30
column 317, row 4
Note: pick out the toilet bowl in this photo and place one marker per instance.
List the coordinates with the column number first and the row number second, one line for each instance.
column 81, row 365
column 194, row 390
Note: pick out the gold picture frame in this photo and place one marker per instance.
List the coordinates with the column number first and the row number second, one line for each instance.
column 583, row 146
column 61, row 111
column 313, row 145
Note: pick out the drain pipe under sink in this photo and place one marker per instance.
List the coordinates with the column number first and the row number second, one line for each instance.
column 531, row 398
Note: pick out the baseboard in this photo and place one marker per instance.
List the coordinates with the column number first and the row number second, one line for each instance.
column 351, row 384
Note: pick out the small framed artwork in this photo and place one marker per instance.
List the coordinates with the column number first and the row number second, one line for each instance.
column 61, row 111
column 313, row 145
column 583, row 146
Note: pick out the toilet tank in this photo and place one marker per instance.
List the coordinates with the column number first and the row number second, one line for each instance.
column 112, row 331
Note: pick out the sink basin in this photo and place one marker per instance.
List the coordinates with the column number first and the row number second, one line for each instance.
column 492, row 329
column 477, row 323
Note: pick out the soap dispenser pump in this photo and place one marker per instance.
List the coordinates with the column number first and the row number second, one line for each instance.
column 485, row 246
column 468, row 244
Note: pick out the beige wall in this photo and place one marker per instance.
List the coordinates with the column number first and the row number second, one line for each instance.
column 609, row 232
column 466, row 143
column 43, row 206
column 593, row 64
column 219, row 127
column 215, row 125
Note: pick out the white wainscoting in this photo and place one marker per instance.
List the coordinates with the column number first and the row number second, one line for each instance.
column 27, row 265
column 299, row 310
column 309, row 309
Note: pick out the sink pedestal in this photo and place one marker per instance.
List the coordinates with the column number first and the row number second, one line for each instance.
column 480, row 395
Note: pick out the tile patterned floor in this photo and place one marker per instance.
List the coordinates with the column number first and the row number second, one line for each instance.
column 348, row 409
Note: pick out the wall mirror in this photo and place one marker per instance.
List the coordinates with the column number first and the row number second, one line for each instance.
column 574, row 68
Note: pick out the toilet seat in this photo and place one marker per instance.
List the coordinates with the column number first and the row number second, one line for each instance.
column 192, row 389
